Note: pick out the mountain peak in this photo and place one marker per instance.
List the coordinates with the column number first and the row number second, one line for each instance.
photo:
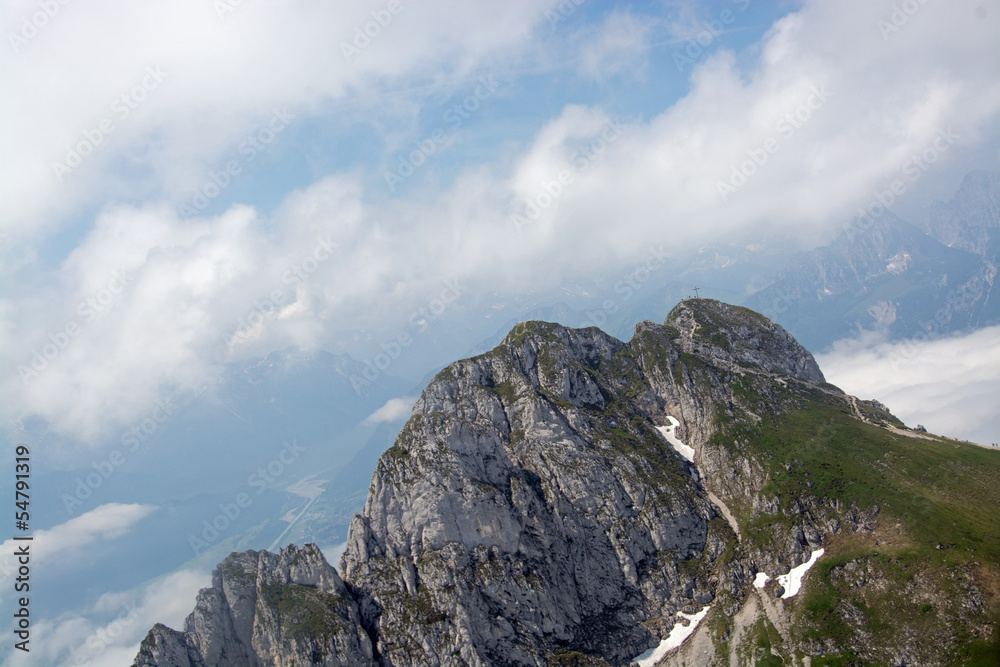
column 737, row 336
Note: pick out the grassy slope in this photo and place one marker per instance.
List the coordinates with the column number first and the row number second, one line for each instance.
column 929, row 493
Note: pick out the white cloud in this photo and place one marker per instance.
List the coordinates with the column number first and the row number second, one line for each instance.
column 109, row 633
column 689, row 20
column 221, row 79
column 393, row 410
column 136, row 334
column 105, row 522
column 948, row 385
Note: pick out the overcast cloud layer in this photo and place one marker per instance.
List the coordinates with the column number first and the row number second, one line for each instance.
column 141, row 298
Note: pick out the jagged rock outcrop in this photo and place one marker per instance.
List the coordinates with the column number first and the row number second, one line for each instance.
column 266, row 609
column 538, row 508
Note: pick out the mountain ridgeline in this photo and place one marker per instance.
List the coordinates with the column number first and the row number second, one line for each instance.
column 570, row 499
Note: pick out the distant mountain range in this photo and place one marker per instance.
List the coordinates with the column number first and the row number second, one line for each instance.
column 969, row 220
column 884, row 274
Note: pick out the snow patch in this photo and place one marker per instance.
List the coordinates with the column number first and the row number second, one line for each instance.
column 792, row 581
column 676, row 637
column 668, row 433
column 760, row 580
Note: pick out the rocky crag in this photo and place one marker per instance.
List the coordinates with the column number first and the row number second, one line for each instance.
column 570, row 499
column 266, row 609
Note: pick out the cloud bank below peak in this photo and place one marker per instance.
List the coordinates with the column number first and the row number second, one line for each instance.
column 948, row 385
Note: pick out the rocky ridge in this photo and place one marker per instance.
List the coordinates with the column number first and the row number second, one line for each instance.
column 530, row 512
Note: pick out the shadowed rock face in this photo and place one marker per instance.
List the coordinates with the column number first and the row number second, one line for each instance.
column 529, row 513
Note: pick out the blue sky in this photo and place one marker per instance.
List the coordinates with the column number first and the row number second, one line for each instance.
column 169, row 167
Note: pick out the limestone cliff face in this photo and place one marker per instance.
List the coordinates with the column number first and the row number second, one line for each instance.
column 533, row 512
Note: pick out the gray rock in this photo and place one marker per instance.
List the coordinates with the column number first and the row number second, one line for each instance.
column 733, row 336
column 266, row 609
